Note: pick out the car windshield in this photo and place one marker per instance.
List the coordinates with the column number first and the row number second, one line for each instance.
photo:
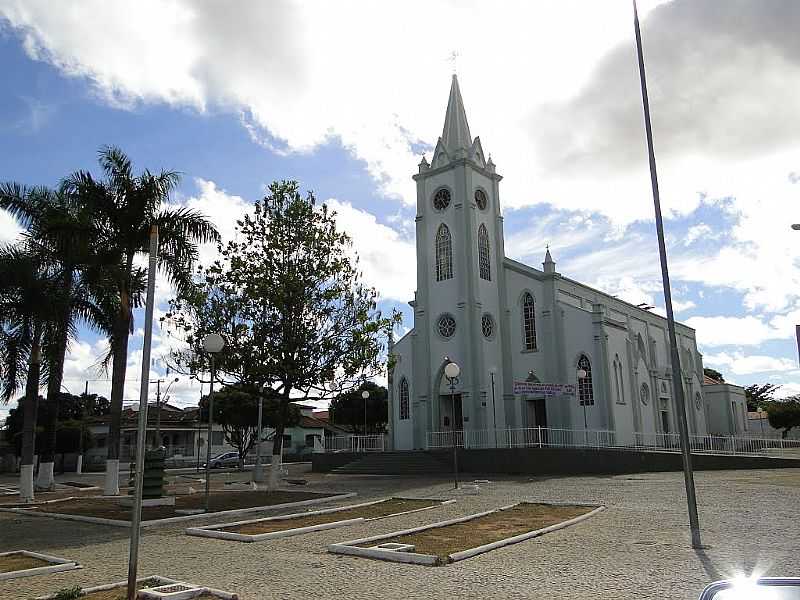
column 430, row 299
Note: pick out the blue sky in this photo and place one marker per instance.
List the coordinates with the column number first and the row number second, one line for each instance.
column 211, row 95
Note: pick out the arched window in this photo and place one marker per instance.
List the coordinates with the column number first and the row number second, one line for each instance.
column 403, row 396
column 529, row 321
column 484, row 266
column 585, row 392
column 444, row 254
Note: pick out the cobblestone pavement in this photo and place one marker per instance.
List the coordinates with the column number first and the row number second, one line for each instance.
column 637, row 548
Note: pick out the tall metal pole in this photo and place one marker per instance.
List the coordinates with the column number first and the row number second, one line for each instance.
column 136, row 517
column 209, row 436
column 453, row 381
column 494, row 413
column 158, row 414
column 258, row 474
column 677, row 385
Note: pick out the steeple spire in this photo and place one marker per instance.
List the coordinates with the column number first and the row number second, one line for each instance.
column 456, row 130
column 548, row 264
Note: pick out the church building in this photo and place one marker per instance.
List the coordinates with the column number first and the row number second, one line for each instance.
column 507, row 324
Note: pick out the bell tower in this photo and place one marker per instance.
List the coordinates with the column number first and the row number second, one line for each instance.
column 460, row 304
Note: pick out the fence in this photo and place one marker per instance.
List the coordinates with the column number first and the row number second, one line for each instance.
column 530, row 437
column 539, row 437
column 355, row 443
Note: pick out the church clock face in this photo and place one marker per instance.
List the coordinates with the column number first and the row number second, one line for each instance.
column 480, row 199
column 441, row 199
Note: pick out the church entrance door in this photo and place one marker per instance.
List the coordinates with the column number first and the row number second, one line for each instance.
column 536, row 413
column 451, row 412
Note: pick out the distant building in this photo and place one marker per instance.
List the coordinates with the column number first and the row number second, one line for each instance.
column 725, row 408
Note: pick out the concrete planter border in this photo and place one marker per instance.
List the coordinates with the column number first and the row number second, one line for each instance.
column 216, row 531
column 352, row 547
column 156, row 578
column 56, row 565
column 155, row 522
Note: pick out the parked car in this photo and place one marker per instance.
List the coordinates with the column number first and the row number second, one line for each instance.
column 227, row 459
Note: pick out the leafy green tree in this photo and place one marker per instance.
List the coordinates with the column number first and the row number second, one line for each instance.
column 124, row 206
column 714, row 374
column 759, row 395
column 236, row 410
column 29, row 303
column 349, row 408
column 784, row 414
column 287, row 297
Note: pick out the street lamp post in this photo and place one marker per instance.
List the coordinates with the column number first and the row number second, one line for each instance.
column 365, row 396
column 451, row 372
column 213, row 344
column 582, row 375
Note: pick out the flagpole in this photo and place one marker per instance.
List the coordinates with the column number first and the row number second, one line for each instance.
column 677, row 384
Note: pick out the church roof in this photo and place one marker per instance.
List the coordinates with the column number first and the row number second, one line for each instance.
column 456, row 129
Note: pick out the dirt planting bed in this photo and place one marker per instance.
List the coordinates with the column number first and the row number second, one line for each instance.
column 494, row 527
column 372, row 511
column 20, row 562
column 111, row 508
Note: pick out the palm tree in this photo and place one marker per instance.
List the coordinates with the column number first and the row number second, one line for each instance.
column 124, row 206
column 29, row 304
column 58, row 231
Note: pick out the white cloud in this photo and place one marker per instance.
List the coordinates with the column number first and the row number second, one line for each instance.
column 741, row 364
column 696, row 232
column 9, row 228
column 387, row 260
column 738, row 331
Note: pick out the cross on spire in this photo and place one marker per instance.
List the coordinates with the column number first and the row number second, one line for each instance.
column 453, row 58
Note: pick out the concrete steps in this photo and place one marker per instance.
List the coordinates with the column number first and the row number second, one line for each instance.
column 396, row 463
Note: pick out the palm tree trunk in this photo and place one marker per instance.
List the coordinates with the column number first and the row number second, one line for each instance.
column 45, row 480
column 54, row 380
column 29, row 419
column 120, row 363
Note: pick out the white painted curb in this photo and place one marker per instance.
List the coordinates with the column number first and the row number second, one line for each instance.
column 59, row 564
column 159, row 581
column 153, row 522
column 111, row 586
column 352, row 547
column 215, row 531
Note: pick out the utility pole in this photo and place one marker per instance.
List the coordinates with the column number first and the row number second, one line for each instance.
column 677, row 384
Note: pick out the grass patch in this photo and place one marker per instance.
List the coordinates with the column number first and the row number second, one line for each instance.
column 522, row 518
column 110, row 508
column 373, row 511
column 20, row 562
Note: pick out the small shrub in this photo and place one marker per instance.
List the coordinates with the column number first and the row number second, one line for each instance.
column 68, row 593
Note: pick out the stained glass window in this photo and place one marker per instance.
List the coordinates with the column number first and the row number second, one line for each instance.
column 529, row 321
column 585, row 392
column 444, row 254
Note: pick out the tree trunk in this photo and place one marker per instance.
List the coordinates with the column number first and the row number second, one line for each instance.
column 277, row 443
column 45, row 480
column 29, row 420
column 120, row 363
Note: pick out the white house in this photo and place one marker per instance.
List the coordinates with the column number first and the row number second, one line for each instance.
column 504, row 322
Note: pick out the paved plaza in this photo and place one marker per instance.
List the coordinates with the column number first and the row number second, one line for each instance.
column 637, row 548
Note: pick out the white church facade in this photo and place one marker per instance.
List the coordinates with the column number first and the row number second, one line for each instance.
column 503, row 322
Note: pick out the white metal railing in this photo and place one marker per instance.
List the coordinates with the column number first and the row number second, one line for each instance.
column 532, row 437
column 355, row 443
column 522, row 438
column 718, row 444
